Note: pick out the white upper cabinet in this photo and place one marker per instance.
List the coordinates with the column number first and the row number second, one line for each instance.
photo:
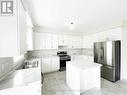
column 67, row 40
column 70, row 41
column 52, row 41
column 48, row 40
column 29, row 38
column 61, row 40
column 29, row 30
column 64, row 40
column 39, row 41
column 13, row 31
column 77, row 42
column 45, row 41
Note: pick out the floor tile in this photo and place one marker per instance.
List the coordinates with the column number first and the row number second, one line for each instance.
column 55, row 84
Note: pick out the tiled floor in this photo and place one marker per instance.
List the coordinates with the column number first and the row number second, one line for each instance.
column 55, row 84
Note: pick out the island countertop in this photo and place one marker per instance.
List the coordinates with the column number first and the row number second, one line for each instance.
column 83, row 64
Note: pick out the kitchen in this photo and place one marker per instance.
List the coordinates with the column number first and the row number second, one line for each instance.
column 49, row 49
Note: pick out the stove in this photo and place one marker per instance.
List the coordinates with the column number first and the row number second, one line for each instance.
column 63, row 58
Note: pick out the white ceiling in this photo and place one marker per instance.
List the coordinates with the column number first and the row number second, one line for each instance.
column 88, row 15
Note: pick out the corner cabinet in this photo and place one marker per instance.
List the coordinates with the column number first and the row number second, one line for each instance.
column 13, row 31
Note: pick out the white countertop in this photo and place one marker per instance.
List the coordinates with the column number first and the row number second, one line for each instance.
column 83, row 64
column 30, row 89
column 22, row 82
column 21, row 78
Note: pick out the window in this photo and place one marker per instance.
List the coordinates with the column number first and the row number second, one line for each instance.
column 17, row 58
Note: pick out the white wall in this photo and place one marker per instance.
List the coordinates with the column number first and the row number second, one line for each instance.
column 124, row 50
column 112, row 34
column 56, row 31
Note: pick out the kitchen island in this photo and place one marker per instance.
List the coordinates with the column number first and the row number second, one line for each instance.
column 82, row 75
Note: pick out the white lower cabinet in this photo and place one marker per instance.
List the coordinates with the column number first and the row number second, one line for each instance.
column 55, row 64
column 50, row 64
column 46, row 65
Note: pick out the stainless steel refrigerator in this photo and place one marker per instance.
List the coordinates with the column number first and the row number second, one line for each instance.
column 109, row 55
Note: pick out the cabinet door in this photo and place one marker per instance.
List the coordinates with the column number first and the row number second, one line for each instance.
column 29, row 38
column 70, row 41
column 54, row 41
column 37, row 37
column 73, row 41
column 77, row 41
column 39, row 41
column 66, row 39
column 48, row 41
column 55, row 63
column 46, row 65
column 60, row 40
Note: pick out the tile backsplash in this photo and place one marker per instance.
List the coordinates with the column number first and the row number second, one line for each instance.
column 50, row 52
column 88, row 51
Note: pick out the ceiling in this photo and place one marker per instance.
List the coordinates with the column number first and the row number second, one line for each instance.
column 88, row 16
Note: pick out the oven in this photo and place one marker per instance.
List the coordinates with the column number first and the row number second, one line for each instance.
column 64, row 57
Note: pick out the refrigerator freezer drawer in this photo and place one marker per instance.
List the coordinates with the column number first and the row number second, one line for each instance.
column 108, row 73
